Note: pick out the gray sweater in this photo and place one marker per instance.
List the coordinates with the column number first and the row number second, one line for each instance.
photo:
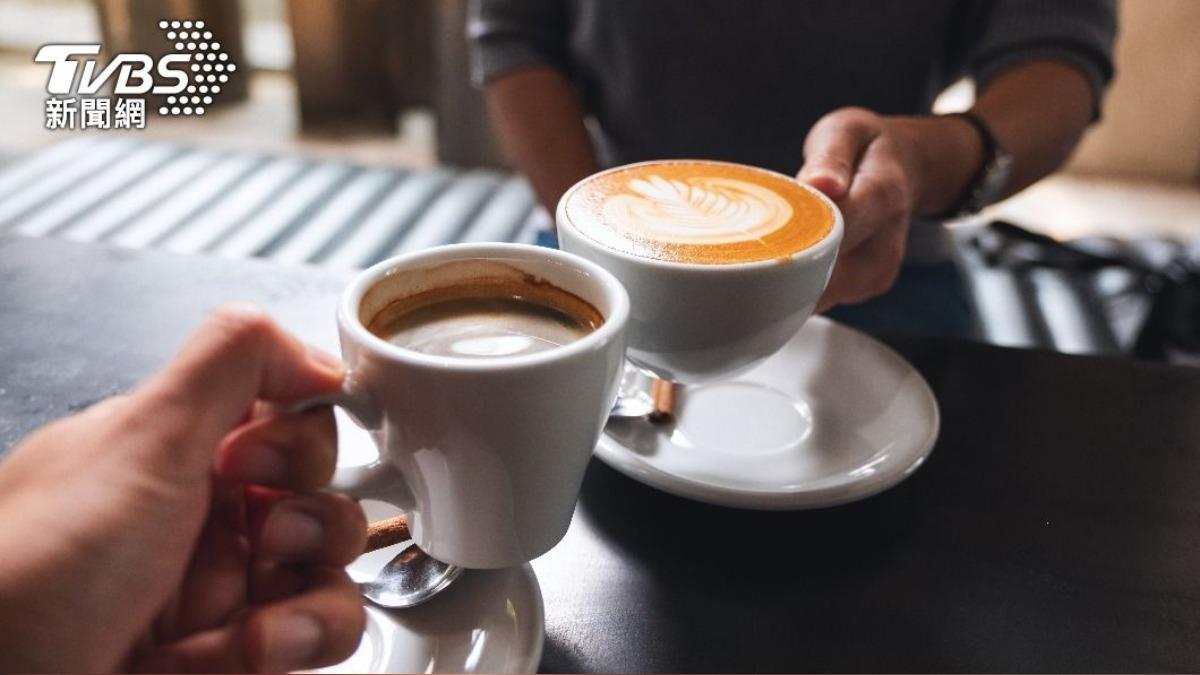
column 743, row 80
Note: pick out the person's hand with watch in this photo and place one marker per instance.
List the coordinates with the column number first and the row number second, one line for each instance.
column 884, row 170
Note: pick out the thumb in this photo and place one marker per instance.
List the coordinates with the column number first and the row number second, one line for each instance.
column 833, row 148
column 238, row 356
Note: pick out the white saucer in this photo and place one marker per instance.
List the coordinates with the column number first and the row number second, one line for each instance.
column 489, row 621
column 834, row 417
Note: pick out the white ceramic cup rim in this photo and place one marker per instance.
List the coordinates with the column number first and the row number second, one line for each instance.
column 348, row 308
column 832, row 238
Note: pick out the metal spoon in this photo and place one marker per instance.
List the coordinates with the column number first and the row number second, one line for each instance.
column 409, row 579
column 634, row 398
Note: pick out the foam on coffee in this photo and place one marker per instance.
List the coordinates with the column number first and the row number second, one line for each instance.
column 486, row 318
column 698, row 211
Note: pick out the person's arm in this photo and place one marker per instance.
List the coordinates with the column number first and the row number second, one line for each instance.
column 1040, row 68
column 1038, row 111
column 183, row 527
column 520, row 57
column 884, row 170
column 541, row 128
column 1040, row 137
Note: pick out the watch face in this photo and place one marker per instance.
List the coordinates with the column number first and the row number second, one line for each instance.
column 994, row 179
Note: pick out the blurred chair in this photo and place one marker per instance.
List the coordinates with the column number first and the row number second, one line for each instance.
column 132, row 26
column 366, row 61
column 345, row 61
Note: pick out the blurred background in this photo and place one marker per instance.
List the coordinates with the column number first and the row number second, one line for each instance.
column 350, row 132
column 350, row 80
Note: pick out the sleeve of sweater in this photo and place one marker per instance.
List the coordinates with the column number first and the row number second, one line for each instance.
column 1079, row 33
column 507, row 35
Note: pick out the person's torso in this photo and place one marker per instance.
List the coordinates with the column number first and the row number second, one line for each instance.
column 743, row 81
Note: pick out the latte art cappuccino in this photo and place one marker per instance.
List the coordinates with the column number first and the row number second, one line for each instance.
column 698, row 212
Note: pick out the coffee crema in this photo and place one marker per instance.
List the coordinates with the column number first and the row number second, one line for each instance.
column 696, row 211
column 486, row 318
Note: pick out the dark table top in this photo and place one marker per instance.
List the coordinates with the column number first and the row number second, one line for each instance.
column 1056, row 526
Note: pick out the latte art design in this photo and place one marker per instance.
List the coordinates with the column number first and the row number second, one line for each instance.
column 696, row 210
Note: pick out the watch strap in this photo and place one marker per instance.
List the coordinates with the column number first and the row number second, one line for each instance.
column 985, row 184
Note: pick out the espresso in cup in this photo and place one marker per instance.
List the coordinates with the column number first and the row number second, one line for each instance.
column 698, row 212
column 487, row 318
column 485, row 374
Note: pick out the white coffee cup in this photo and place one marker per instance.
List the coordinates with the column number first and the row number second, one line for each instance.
column 486, row 455
column 693, row 323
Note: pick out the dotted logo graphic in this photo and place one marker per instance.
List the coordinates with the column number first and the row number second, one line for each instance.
column 209, row 70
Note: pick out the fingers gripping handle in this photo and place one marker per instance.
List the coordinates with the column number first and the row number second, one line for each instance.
column 354, row 400
column 377, row 480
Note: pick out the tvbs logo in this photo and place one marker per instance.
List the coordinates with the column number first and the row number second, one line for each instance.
column 189, row 77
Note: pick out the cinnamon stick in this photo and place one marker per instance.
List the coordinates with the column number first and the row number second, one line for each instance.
column 662, row 393
column 386, row 532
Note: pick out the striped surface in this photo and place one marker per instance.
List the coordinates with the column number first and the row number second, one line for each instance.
column 126, row 192
column 1077, row 313
column 159, row 195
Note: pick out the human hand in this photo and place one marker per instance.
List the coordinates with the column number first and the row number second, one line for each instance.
column 881, row 171
column 178, row 528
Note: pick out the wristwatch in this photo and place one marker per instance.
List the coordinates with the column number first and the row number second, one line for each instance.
column 987, row 185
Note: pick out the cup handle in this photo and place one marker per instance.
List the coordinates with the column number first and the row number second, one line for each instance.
column 377, row 480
